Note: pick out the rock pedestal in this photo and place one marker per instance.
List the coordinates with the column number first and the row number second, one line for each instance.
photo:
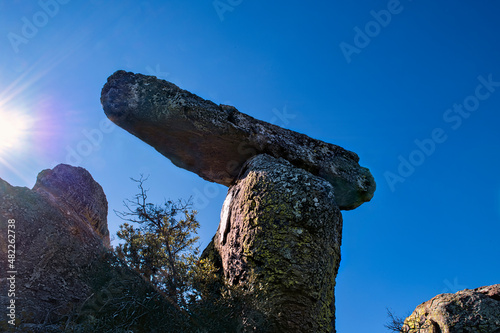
column 281, row 228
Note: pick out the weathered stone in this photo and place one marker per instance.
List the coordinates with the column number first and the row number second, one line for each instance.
column 467, row 311
column 74, row 191
column 65, row 273
column 53, row 241
column 281, row 229
column 214, row 141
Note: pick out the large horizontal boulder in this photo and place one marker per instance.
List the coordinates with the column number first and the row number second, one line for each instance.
column 467, row 311
column 281, row 231
column 214, row 141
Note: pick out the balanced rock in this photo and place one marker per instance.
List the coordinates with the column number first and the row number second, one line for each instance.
column 214, row 141
column 281, row 228
column 467, row 311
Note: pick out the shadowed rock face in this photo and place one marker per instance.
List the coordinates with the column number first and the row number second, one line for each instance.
column 65, row 273
column 214, row 141
column 471, row 311
column 280, row 227
column 74, row 190
column 55, row 241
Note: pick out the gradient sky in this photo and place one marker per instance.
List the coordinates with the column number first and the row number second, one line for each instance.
column 413, row 87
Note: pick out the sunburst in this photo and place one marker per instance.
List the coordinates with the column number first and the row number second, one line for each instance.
column 14, row 130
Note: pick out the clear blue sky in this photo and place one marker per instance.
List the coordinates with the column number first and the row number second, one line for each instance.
column 413, row 87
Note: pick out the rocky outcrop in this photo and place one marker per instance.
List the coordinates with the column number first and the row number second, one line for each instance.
column 214, row 141
column 281, row 228
column 467, row 311
column 53, row 241
column 62, row 274
column 75, row 192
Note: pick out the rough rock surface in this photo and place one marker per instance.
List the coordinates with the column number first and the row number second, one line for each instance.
column 467, row 311
column 53, row 242
column 74, row 191
column 65, row 273
column 281, row 228
column 215, row 141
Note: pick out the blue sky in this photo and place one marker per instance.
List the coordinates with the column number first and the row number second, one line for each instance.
column 413, row 87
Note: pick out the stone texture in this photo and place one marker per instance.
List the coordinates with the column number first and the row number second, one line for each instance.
column 75, row 192
column 467, row 311
column 214, row 141
column 54, row 243
column 67, row 279
column 281, row 228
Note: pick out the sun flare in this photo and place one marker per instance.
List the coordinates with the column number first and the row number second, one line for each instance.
column 13, row 130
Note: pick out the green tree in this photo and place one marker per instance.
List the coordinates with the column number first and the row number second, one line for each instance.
column 160, row 243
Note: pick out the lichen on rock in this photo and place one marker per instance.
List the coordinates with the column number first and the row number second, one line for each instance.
column 284, row 230
column 214, row 141
column 467, row 311
column 281, row 227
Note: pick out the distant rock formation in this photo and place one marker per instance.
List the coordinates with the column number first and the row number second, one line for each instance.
column 64, row 271
column 467, row 311
column 280, row 225
column 214, row 141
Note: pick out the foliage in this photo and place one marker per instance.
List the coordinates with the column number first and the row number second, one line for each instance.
column 162, row 248
column 155, row 280
column 397, row 324
column 219, row 307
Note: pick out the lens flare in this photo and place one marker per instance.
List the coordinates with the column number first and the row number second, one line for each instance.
column 14, row 130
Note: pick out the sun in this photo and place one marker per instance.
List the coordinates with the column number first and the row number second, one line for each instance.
column 14, row 128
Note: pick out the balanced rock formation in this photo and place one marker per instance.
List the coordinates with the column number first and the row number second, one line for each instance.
column 214, row 141
column 280, row 226
column 467, row 311
column 61, row 272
